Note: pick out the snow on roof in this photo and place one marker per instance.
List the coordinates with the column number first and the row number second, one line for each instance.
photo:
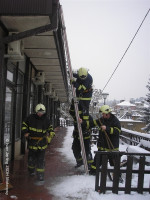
column 125, row 103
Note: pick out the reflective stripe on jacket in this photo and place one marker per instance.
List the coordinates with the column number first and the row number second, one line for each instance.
column 37, row 127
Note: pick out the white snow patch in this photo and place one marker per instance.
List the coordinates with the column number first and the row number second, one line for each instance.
column 82, row 187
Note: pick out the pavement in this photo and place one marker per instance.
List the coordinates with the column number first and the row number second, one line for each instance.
column 28, row 188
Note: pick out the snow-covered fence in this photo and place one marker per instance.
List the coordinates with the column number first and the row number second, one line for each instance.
column 65, row 122
column 94, row 135
column 129, row 170
column 134, row 138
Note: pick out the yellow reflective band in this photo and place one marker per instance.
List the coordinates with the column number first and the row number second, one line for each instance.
column 85, row 138
column 90, row 161
column 31, row 167
column 115, row 149
column 24, row 128
column 101, row 148
column 40, row 170
column 83, row 87
column 105, row 149
column 36, row 148
column 117, row 129
column 37, row 130
column 111, row 130
column 84, row 98
column 95, row 123
column 79, row 88
column 93, row 167
column 87, row 124
column 24, row 123
column 85, row 117
column 80, row 112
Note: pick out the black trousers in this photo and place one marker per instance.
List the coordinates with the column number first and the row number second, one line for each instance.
column 76, row 147
column 83, row 107
column 111, row 160
column 36, row 160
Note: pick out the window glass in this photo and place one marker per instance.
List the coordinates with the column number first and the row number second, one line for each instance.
column 19, row 100
column 10, row 76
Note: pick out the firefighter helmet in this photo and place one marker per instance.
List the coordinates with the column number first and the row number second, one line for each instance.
column 82, row 73
column 40, row 108
column 105, row 109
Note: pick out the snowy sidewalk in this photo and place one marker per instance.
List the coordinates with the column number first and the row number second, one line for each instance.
column 62, row 180
column 26, row 187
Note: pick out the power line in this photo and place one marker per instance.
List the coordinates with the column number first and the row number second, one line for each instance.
column 126, row 49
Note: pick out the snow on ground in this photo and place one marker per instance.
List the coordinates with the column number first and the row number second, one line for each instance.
column 82, row 187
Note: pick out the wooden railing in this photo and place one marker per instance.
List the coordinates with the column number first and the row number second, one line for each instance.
column 132, row 137
column 128, row 136
column 101, row 185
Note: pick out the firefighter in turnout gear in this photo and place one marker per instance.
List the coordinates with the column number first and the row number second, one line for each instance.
column 39, row 133
column 76, row 147
column 83, row 85
column 109, row 124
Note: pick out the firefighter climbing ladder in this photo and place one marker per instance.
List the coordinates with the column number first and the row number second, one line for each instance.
column 74, row 97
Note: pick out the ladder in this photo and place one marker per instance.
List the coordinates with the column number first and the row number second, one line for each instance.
column 74, row 95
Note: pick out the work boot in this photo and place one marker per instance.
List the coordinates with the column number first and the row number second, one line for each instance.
column 31, row 172
column 92, row 172
column 40, row 177
column 79, row 163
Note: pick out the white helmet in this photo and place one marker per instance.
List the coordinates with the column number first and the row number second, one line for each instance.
column 40, row 108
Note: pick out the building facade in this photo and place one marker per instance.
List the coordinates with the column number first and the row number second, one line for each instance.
column 33, row 67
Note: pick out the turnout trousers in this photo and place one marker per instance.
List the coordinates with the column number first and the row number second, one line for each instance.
column 36, row 161
column 76, row 147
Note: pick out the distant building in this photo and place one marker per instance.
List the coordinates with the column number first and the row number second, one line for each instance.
column 123, row 107
column 134, row 125
column 129, row 115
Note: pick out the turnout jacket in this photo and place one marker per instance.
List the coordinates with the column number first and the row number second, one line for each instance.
column 83, row 87
column 38, row 128
column 113, row 129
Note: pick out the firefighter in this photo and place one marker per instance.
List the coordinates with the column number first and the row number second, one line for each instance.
column 110, row 125
column 76, row 147
column 83, row 85
column 39, row 133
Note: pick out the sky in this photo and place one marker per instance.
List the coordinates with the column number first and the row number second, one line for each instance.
column 99, row 32
column 83, row 186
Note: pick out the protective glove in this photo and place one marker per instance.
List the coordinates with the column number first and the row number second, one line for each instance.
column 72, row 81
column 52, row 134
column 50, row 137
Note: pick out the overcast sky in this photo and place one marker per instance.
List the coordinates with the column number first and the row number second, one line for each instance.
column 99, row 32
